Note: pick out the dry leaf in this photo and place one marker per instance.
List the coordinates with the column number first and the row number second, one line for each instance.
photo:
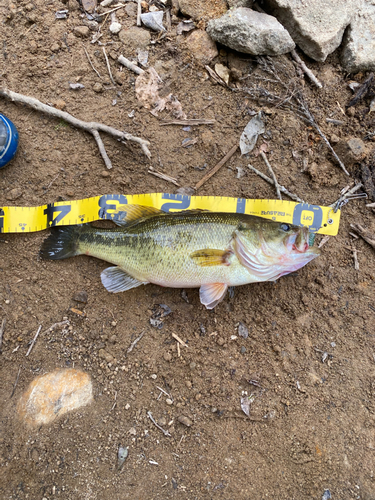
column 147, row 86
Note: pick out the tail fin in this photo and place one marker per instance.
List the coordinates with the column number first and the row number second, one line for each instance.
column 61, row 243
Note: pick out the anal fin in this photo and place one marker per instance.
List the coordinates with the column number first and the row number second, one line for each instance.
column 116, row 280
column 211, row 257
column 212, row 294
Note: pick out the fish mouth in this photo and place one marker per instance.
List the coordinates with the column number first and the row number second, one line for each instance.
column 299, row 248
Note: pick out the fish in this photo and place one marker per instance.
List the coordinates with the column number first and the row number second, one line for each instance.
column 189, row 249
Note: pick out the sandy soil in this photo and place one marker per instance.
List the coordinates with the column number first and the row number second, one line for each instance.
column 312, row 423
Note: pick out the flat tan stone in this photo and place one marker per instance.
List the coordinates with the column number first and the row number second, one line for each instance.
column 53, row 394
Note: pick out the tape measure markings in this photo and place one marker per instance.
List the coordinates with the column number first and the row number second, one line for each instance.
column 30, row 219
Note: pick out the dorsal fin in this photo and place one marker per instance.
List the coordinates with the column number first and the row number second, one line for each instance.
column 127, row 214
column 130, row 213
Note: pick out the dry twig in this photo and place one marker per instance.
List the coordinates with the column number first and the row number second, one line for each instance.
column 364, row 234
column 16, row 382
column 34, row 340
column 282, row 188
column 139, row 12
column 128, row 64
column 108, row 66
column 217, row 167
column 165, row 177
column 92, row 127
column 194, row 121
column 345, row 194
column 2, row 328
column 133, row 344
column 91, row 64
column 275, row 183
column 179, row 340
column 166, row 433
column 305, row 69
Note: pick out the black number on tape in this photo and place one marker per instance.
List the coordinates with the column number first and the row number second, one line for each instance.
column 181, row 202
column 60, row 210
column 1, row 220
column 106, row 203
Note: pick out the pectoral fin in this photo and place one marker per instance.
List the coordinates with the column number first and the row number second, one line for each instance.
column 212, row 294
column 116, row 280
column 211, row 257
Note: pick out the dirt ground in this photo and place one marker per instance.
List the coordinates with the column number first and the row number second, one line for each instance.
column 312, row 423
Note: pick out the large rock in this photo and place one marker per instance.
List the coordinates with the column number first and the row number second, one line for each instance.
column 53, row 394
column 317, row 26
column 359, row 48
column 251, row 32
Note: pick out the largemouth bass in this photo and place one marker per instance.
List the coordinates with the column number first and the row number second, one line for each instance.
column 187, row 250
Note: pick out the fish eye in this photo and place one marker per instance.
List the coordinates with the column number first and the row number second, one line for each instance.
column 285, row 227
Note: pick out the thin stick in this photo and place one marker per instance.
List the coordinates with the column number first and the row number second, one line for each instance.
column 282, row 188
column 335, row 122
column 91, row 64
column 87, row 126
column 217, row 167
column 178, row 350
column 370, row 205
column 347, row 194
column 355, row 258
column 162, row 390
column 324, row 241
column 16, row 382
column 188, row 122
column 139, row 12
column 165, row 177
column 305, row 69
column 34, row 340
column 364, row 234
column 108, row 66
column 133, row 344
column 102, row 150
column 2, row 328
column 56, row 325
column 128, row 64
column 179, row 340
column 276, row 184
column 166, row 433
column 113, row 10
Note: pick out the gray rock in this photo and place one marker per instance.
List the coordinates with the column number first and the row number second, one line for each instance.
column 251, row 32
column 317, row 26
column 240, row 3
column 359, row 42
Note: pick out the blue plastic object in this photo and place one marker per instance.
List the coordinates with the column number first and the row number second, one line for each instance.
column 8, row 140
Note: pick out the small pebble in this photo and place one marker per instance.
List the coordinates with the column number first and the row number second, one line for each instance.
column 105, row 174
column 185, row 420
column 243, row 350
column 81, row 297
column 98, row 88
column 81, row 31
column 193, row 366
column 169, row 402
column 167, row 356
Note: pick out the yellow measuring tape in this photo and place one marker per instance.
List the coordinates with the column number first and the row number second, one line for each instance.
column 319, row 219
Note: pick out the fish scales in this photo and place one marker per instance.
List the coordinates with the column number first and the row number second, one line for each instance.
column 158, row 248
